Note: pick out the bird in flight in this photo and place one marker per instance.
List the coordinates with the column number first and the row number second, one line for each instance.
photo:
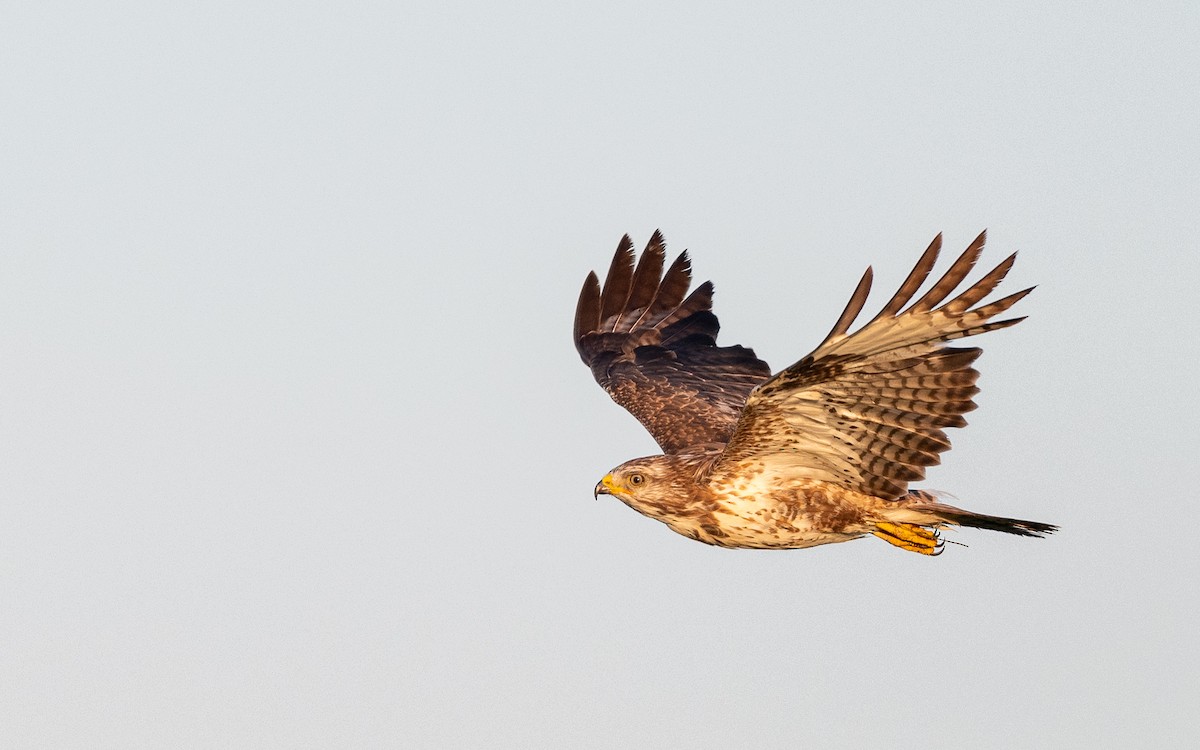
column 818, row 453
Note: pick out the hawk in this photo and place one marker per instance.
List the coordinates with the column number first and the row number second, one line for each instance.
column 818, row 453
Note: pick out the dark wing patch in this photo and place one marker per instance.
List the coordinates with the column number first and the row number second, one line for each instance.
column 656, row 352
column 867, row 410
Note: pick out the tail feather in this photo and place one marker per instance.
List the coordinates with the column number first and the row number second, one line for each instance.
column 993, row 523
column 925, row 503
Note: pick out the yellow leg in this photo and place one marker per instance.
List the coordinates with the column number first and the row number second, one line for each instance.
column 910, row 537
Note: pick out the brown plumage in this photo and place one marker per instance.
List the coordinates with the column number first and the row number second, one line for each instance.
column 655, row 352
column 823, row 451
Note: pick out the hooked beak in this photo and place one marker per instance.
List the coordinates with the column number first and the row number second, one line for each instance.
column 603, row 487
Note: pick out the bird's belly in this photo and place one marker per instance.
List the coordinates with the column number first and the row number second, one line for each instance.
column 757, row 533
column 804, row 515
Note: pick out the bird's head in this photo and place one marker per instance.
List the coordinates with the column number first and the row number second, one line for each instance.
column 647, row 484
column 624, row 481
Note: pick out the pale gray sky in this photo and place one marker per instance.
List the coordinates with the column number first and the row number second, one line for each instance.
column 297, row 451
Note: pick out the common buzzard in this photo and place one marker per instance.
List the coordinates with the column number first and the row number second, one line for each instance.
column 821, row 452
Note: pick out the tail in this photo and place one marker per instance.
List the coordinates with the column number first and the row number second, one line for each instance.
column 927, row 503
column 913, row 524
column 950, row 514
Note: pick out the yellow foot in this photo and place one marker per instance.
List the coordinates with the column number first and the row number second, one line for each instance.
column 910, row 537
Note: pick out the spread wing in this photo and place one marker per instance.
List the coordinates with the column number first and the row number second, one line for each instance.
column 867, row 410
column 656, row 352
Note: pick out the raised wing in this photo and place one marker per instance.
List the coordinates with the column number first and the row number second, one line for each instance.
column 656, row 352
column 867, row 410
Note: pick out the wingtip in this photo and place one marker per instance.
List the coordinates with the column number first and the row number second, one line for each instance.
column 587, row 309
column 853, row 307
column 617, row 282
column 977, row 244
column 622, row 256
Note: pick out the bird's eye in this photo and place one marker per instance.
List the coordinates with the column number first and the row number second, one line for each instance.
column 636, row 479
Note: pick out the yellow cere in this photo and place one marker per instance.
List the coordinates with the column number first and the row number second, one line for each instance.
column 608, row 482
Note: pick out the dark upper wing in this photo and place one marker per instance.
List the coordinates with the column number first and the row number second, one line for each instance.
column 655, row 352
column 867, row 410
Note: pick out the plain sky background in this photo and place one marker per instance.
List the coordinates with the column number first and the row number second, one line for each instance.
column 296, row 450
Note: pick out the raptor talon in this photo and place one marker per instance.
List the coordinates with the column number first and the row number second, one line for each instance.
column 910, row 537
